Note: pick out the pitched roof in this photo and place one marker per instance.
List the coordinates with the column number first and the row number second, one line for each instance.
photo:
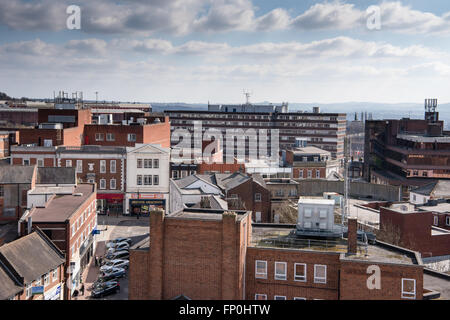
column 230, row 181
column 437, row 189
column 56, row 175
column 16, row 174
column 10, row 286
column 213, row 202
column 32, row 255
column 61, row 207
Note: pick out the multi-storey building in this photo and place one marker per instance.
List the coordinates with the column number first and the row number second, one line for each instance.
column 311, row 163
column 407, row 152
column 323, row 130
column 147, row 178
column 103, row 165
column 155, row 130
column 214, row 254
column 69, row 220
column 31, row 268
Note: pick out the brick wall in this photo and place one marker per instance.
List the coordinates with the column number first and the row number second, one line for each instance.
column 355, row 275
column 289, row 287
column 138, row 283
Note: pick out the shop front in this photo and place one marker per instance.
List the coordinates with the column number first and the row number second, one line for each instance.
column 111, row 201
column 144, row 206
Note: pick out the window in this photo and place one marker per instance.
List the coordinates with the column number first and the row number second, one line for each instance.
column 258, row 197
column 38, row 281
column 408, row 288
column 40, row 162
column 48, row 142
column 131, row 137
column 55, row 274
column 110, row 137
column 148, row 163
column 2, row 192
column 320, row 273
column 139, row 180
column 99, row 137
column 147, row 180
column 447, row 220
column 300, row 272
column 279, row 297
column 102, row 166
column 260, row 296
column 69, row 163
column 435, row 220
column 26, row 162
column 29, row 290
column 46, row 279
column 301, row 174
column 139, row 163
column 308, row 212
column 112, row 184
column 73, row 230
column 299, row 298
column 156, row 164
column 260, row 269
column 112, row 166
column 280, row 270
column 175, row 174
column 102, row 183
column 309, row 173
column 317, row 173
column 79, row 166
column 155, row 180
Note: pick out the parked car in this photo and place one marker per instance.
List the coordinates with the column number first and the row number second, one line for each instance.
column 101, row 283
column 122, row 254
column 116, row 263
column 117, row 272
column 371, row 237
column 118, row 245
column 127, row 240
column 104, row 290
column 103, row 279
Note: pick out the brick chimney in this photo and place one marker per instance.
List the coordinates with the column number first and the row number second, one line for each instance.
column 352, row 236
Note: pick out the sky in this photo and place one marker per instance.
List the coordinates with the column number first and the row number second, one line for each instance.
column 199, row 51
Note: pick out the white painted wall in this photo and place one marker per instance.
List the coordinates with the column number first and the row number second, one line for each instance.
column 417, row 198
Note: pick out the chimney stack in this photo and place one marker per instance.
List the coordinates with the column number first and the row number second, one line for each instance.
column 352, row 236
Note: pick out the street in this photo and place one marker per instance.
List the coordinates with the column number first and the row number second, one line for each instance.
column 114, row 227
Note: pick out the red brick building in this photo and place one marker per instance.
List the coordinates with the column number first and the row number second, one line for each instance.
column 213, row 254
column 104, row 165
column 311, row 163
column 415, row 230
column 156, row 131
column 69, row 221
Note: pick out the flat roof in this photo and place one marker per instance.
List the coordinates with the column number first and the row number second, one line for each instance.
column 61, row 207
column 206, row 214
column 316, row 201
column 284, row 238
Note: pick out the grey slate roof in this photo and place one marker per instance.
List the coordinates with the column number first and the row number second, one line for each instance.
column 438, row 189
column 225, row 181
column 16, row 174
column 215, row 202
column 32, row 255
column 56, row 175
column 10, row 286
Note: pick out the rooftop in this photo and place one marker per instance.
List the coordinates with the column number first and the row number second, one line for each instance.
column 310, row 151
column 315, row 200
column 61, row 207
column 438, row 189
column 284, row 237
column 92, row 149
column 32, row 255
column 16, row 174
column 206, row 214
column 56, row 175
column 423, row 138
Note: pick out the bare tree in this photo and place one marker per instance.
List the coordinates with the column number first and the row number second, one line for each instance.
column 287, row 212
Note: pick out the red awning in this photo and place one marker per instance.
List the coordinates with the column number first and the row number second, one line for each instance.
column 110, row 196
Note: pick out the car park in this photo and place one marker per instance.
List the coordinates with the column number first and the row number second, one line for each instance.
column 106, row 289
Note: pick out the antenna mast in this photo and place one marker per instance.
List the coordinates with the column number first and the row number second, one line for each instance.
column 247, row 95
